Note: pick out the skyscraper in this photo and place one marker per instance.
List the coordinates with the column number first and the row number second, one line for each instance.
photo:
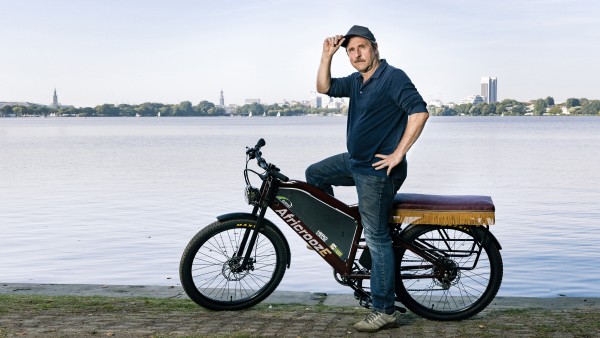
column 222, row 99
column 489, row 89
column 316, row 102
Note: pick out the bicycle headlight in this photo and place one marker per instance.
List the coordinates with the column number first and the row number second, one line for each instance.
column 252, row 195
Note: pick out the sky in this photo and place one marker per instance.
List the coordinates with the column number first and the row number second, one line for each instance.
column 135, row 51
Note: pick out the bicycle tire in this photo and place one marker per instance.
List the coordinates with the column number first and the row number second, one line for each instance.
column 206, row 265
column 468, row 287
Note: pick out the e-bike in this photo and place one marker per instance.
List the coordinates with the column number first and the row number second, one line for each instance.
column 448, row 263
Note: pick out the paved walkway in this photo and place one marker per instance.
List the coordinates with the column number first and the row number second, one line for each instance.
column 506, row 316
column 278, row 297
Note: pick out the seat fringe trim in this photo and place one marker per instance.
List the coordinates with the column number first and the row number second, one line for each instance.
column 443, row 217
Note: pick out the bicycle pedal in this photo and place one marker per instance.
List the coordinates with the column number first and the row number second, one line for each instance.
column 400, row 309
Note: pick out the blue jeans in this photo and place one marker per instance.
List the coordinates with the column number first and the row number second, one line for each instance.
column 375, row 197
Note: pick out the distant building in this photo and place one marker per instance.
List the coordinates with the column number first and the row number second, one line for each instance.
column 489, row 89
column 222, row 99
column 473, row 99
column 435, row 103
column 231, row 109
column 55, row 104
column 316, row 102
column 251, row 101
column 335, row 103
column 303, row 103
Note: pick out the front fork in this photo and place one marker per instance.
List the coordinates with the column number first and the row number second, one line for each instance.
column 270, row 187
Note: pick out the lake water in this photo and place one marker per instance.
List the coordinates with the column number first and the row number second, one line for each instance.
column 115, row 200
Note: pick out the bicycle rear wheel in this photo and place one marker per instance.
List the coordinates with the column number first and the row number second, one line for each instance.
column 209, row 267
column 471, row 281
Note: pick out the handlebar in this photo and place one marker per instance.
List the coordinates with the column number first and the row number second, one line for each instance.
column 271, row 169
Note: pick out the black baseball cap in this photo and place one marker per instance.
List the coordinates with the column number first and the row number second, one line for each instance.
column 358, row 31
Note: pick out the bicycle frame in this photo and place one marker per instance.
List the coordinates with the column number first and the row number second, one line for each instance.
column 332, row 228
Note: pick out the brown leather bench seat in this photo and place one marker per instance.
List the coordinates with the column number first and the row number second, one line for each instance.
column 443, row 209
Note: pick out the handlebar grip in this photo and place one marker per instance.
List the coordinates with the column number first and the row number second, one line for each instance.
column 261, row 143
column 255, row 153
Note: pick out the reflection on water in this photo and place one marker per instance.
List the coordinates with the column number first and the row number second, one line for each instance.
column 115, row 200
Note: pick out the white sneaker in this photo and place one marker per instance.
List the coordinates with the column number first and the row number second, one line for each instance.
column 376, row 321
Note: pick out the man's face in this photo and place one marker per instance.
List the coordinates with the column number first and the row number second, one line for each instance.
column 363, row 55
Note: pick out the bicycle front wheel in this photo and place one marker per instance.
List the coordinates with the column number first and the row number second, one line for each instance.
column 210, row 266
column 471, row 278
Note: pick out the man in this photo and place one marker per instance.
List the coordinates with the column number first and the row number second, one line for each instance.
column 385, row 117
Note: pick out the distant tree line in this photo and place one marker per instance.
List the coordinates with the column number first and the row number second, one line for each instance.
column 545, row 106
column 285, row 110
column 185, row 108
column 572, row 106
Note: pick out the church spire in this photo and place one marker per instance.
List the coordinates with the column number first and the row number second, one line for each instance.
column 55, row 100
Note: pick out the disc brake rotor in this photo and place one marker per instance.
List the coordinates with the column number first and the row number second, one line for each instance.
column 231, row 269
